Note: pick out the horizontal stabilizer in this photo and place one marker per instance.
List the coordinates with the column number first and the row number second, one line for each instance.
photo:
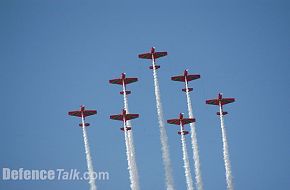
column 184, row 132
column 127, row 128
column 224, row 113
column 156, row 67
column 189, row 89
column 86, row 124
column 126, row 92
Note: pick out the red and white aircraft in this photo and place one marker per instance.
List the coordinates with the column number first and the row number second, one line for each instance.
column 181, row 121
column 123, row 81
column 83, row 113
column 185, row 78
column 124, row 117
column 153, row 55
column 220, row 101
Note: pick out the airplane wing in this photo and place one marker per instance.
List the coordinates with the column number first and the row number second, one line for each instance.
column 131, row 116
column 145, row 56
column 79, row 113
column 159, row 54
column 182, row 78
column 117, row 117
column 75, row 113
column 149, row 55
column 213, row 102
column 192, row 77
column 174, row 121
column 89, row 112
column 116, row 81
column 188, row 120
column 227, row 100
column 178, row 78
column 130, row 80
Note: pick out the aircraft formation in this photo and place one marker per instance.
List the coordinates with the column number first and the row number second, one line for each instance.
column 125, row 116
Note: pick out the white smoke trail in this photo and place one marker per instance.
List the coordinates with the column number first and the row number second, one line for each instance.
column 89, row 158
column 188, row 176
column 163, row 134
column 229, row 177
column 128, row 158
column 132, row 156
column 197, row 169
column 133, row 159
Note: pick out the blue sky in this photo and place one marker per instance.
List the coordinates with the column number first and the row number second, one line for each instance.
column 57, row 55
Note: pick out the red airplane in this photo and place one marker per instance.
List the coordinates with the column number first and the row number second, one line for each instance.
column 181, row 121
column 153, row 55
column 124, row 117
column 83, row 113
column 220, row 101
column 123, row 81
column 185, row 78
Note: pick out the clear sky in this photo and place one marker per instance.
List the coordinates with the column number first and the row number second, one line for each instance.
column 57, row 55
